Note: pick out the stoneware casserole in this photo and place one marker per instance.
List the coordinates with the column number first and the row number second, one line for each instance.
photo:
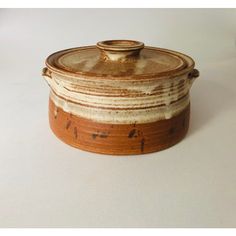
column 119, row 97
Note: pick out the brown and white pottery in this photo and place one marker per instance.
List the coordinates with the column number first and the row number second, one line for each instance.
column 119, row 97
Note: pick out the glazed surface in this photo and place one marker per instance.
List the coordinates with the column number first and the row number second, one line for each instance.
column 93, row 61
column 119, row 97
column 120, row 102
column 117, row 139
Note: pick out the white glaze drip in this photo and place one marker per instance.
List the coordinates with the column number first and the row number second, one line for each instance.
column 121, row 116
column 101, row 100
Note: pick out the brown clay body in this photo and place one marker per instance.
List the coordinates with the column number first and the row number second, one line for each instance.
column 116, row 139
column 128, row 99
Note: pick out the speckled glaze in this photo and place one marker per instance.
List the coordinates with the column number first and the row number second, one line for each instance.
column 119, row 97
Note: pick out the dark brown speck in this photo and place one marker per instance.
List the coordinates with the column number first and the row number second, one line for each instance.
column 103, row 135
column 132, row 133
column 171, row 130
column 142, row 144
column 68, row 124
column 75, row 132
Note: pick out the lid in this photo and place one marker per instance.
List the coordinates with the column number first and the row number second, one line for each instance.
column 118, row 58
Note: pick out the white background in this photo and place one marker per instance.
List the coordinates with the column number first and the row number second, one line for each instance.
column 45, row 183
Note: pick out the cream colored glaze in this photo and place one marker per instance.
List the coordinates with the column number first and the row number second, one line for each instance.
column 111, row 116
column 147, row 62
column 140, row 65
column 116, row 56
column 141, row 101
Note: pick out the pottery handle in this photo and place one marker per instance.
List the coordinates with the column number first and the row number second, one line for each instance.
column 193, row 75
column 46, row 73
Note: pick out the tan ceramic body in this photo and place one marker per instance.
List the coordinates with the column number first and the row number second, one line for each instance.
column 98, row 114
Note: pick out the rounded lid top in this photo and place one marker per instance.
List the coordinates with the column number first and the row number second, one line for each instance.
column 119, row 58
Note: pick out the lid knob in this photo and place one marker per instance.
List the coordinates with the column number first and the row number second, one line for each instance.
column 120, row 50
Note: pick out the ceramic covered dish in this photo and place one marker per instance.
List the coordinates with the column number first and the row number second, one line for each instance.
column 119, row 97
